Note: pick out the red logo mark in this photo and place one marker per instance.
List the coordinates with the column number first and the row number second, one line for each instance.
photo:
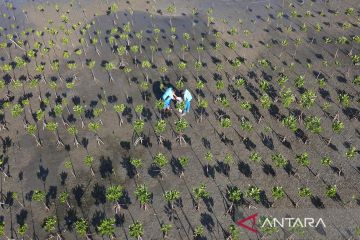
column 253, row 221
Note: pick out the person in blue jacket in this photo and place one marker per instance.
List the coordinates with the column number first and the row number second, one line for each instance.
column 168, row 95
column 187, row 98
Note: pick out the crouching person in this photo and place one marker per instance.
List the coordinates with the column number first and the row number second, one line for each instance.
column 167, row 97
column 187, row 97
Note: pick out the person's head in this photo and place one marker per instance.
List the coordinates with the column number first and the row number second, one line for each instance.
column 183, row 92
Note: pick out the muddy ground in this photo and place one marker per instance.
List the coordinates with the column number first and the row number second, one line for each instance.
column 32, row 168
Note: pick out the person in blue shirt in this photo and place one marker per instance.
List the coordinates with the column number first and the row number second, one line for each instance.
column 168, row 95
column 187, row 98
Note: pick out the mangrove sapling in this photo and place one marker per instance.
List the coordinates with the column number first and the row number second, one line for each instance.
column 121, row 51
column 94, row 127
column 199, row 232
column 137, row 165
column 200, row 193
column 254, row 193
column 199, row 86
column 17, row 110
column 228, row 160
column 53, row 127
column 224, row 103
column 22, row 230
column 303, row 160
column 113, row 194
column 198, row 66
column 308, row 99
column 153, row 50
column 58, row 110
column 139, row 36
column 234, row 196
column 136, row 230
column 199, row 50
column 186, row 37
column 160, row 161
column 209, row 158
column 202, row 105
column 72, row 130
column 165, row 229
column 163, row 70
column 265, row 101
column 236, row 64
column 287, row 97
column 40, row 116
column 278, row 193
column 355, row 39
column 331, row 191
column 180, row 126
column 264, row 86
column 64, row 198
column 179, row 84
column 156, row 33
column 225, row 123
column 14, row 196
column 97, row 112
column 31, row 129
column 255, row 157
column 113, row 9
column 180, row 106
column 79, row 110
column 119, row 109
column 144, row 87
column 351, row 152
column 342, row 40
column 49, row 226
column 138, row 110
column 181, row 66
column 233, row 233
column 135, row 49
column 107, row 228
column 146, row 65
column 313, row 124
column 39, row 196
column 109, row 67
column 143, row 195
column 290, row 122
column 325, row 162
column 2, row 229
column 138, row 129
column 344, row 99
column 246, row 125
column 88, row 161
column 82, row 228
column 160, row 127
column 220, row 84
column 238, row 83
column 171, row 9
column 303, row 192
column 127, row 71
column 279, row 160
column 183, row 162
column 171, row 196
column 69, row 165
column 159, row 104
column 246, row 105
column 94, row 42
column 266, row 230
